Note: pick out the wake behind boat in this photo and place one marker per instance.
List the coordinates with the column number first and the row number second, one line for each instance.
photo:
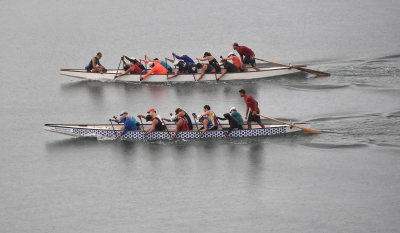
column 107, row 131
column 266, row 72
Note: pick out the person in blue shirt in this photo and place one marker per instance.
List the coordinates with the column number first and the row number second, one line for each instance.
column 95, row 66
column 129, row 123
column 185, row 58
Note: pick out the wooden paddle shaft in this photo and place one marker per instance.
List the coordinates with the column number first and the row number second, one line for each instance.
column 318, row 73
column 302, row 128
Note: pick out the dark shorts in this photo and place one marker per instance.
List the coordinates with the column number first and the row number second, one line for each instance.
column 231, row 69
column 210, row 69
column 254, row 118
column 249, row 61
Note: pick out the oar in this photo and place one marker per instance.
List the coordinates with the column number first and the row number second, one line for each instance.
column 166, row 127
column 115, row 134
column 318, row 73
column 302, row 128
column 141, row 122
column 116, row 74
column 195, row 121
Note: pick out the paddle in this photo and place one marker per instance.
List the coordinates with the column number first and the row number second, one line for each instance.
column 116, row 74
column 166, row 128
column 302, row 128
column 113, row 128
column 141, row 122
column 318, row 73
column 195, row 121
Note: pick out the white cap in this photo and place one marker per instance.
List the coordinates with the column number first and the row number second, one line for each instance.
column 151, row 64
column 173, row 118
column 231, row 53
column 176, row 62
column 132, row 58
column 233, row 108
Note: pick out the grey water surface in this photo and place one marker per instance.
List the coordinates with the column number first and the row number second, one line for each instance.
column 344, row 180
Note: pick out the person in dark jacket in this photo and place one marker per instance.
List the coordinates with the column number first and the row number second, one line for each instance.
column 233, row 124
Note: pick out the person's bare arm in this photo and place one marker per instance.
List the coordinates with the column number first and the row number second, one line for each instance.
column 153, row 127
column 170, row 60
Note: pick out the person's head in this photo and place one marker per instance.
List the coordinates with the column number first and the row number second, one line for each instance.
column 151, row 64
column 124, row 114
column 122, row 119
column 99, row 55
column 206, row 54
column 223, row 61
column 149, row 118
column 231, row 54
column 133, row 60
column 200, row 118
column 233, row 109
column 235, row 46
column 178, row 110
column 199, row 65
column 242, row 92
column 178, row 63
column 227, row 116
column 151, row 111
column 155, row 59
column 206, row 107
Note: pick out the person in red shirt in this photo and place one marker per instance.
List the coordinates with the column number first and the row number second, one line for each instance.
column 249, row 56
column 251, row 104
column 134, row 67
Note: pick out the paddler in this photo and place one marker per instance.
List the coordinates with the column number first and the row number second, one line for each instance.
column 182, row 68
column 94, row 65
column 208, row 118
column 181, row 121
column 211, row 60
column 157, row 122
column 205, row 68
column 235, row 60
column 233, row 124
column 163, row 63
column 228, row 68
column 156, row 68
column 235, row 114
column 125, row 114
column 134, row 67
column 207, row 124
column 184, row 58
column 251, row 104
column 129, row 124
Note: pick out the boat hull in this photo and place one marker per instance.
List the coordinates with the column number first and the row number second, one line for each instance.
column 155, row 78
column 106, row 131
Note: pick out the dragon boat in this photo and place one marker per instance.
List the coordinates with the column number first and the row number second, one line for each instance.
column 265, row 72
column 108, row 130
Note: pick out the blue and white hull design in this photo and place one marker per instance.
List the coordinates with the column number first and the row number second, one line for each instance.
column 106, row 130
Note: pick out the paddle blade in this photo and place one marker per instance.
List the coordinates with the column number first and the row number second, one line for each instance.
column 299, row 127
column 318, row 73
column 308, row 130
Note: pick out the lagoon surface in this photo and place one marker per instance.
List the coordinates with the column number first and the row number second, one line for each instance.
column 344, row 180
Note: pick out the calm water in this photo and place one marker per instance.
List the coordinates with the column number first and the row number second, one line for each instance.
column 345, row 180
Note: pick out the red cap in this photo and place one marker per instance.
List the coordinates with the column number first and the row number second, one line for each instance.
column 151, row 110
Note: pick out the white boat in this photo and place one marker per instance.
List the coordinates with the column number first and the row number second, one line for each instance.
column 110, row 131
column 265, row 72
